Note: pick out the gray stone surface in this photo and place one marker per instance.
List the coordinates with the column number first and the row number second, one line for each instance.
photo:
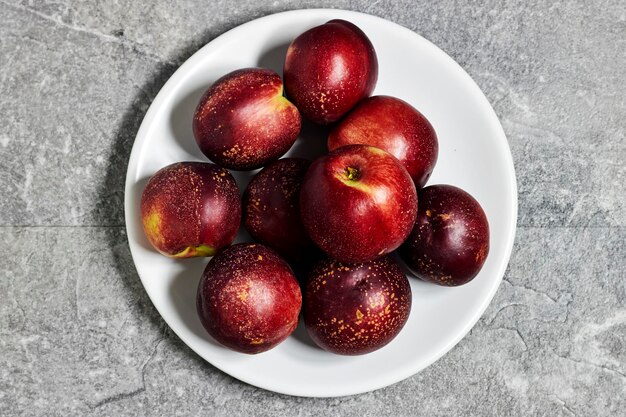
column 78, row 335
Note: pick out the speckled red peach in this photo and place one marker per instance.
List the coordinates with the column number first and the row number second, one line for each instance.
column 329, row 69
column 248, row 298
column 271, row 207
column 395, row 126
column 358, row 203
column 243, row 121
column 190, row 209
column 356, row 309
column 450, row 241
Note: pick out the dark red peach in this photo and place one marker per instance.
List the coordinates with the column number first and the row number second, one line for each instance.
column 248, row 298
column 358, row 203
column 356, row 309
column 243, row 121
column 450, row 241
column 394, row 126
column 271, row 207
column 190, row 209
column 329, row 69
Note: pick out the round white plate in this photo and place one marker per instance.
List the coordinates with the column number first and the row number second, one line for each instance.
column 473, row 154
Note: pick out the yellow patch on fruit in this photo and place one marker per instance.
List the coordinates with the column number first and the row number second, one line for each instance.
column 376, row 151
column 195, row 251
column 152, row 225
column 279, row 100
column 256, row 341
column 243, row 295
column 359, row 315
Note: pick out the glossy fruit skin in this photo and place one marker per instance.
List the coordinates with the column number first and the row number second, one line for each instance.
column 395, row 126
column 248, row 298
column 190, row 209
column 358, row 203
column 356, row 309
column 243, row 121
column 271, row 208
column 329, row 69
column 450, row 241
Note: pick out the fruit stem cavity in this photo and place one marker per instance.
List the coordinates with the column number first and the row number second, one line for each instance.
column 352, row 174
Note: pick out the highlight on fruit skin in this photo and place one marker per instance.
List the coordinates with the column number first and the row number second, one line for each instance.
column 329, row 69
column 248, row 298
column 354, row 309
column 449, row 243
column 358, row 203
column 243, row 121
column 190, row 209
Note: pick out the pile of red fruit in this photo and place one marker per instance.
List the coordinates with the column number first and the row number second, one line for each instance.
column 360, row 202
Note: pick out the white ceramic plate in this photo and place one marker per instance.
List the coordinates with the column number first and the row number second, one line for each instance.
column 473, row 154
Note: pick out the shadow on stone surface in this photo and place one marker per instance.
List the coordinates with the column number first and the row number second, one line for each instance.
column 111, row 196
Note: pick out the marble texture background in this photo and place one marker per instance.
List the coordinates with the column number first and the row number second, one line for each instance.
column 78, row 334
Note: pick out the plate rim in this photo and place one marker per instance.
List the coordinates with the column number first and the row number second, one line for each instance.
column 138, row 145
